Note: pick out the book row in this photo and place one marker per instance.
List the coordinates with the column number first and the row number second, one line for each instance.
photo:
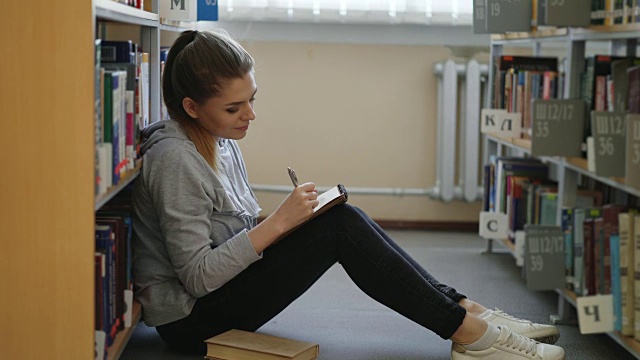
column 113, row 274
column 601, row 233
column 613, row 12
column 121, row 107
column 608, row 84
column 602, row 256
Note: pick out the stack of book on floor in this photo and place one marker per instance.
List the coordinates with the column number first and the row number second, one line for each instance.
column 244, row 345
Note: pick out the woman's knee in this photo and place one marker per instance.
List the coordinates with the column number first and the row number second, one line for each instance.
column 347, row 213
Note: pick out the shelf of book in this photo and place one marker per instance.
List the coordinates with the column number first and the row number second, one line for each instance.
column 596, row 32
column 611, row 32
column 569, row 173
column 629, row 343
column 119, row 343
column 114, row 11
column 576, row 164
column 113, row 191
column 514, row 143
column 546, row 34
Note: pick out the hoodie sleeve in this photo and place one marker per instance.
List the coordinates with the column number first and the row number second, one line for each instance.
column 181, row 186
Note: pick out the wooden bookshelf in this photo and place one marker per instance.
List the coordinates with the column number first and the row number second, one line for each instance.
column 46, row 147
column 119, row 343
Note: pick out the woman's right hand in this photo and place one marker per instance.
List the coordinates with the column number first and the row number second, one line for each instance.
column 297, row 207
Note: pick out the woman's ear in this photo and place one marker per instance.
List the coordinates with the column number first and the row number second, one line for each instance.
column 190, row 107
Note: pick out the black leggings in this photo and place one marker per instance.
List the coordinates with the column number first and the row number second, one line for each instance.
column 344, row 234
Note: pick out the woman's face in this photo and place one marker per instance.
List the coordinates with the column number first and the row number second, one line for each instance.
column 228, row 115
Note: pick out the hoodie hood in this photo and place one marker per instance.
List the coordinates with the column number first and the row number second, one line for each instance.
column 159, row 131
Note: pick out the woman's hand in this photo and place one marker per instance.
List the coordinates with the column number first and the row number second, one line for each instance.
column 297, row 207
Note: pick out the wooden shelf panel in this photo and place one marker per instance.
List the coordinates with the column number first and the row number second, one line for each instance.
column 119, row 343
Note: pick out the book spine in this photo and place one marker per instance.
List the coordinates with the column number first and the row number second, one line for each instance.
column 634, row 233
column 614, row 245
column 626, row 275
column 567, row 229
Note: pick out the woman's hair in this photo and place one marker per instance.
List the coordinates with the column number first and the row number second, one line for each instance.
column 198, row 66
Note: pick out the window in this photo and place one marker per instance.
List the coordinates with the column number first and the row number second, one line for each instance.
column 423, row 12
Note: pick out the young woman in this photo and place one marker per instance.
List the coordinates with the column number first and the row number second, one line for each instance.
column 203, row 265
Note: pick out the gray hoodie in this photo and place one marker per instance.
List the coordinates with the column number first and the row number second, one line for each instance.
column 190, row 237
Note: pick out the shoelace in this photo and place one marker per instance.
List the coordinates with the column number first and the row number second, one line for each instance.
column 504, row 314
column 521, row 343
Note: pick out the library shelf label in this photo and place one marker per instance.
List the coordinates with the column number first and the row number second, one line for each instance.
column 544, row 257
column 501, row 123
column 182, row 10
column 493, row 225
column 499, row 16
column 570, row 13
column 608, row 151
column 557, row 127
column 632, row 168
column 595, row 314
column 207, row 10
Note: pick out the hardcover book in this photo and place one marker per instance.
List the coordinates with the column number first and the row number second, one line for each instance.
column 244, row 345
column 627, row 264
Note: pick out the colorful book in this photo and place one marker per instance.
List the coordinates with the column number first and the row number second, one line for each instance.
column 583, row 247
column 567, row 228
column 627, row 270
column 614, row 245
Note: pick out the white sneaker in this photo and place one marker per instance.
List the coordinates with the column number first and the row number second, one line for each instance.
column 548, row 334
column 510, row 346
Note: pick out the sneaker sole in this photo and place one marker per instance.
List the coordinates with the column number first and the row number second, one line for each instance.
column 453, row 351
column 551, row 339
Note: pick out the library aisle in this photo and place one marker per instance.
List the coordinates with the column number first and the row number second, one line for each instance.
column 349, row 325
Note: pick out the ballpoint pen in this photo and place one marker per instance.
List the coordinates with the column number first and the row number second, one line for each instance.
column 292, row 175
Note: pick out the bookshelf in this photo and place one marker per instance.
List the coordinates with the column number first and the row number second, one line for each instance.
column 116, row 21
column 567, row 171
column 47, row 152
column 574, row 166
column 46, row 189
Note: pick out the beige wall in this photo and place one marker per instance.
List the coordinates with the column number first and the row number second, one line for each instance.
column 361, row 115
